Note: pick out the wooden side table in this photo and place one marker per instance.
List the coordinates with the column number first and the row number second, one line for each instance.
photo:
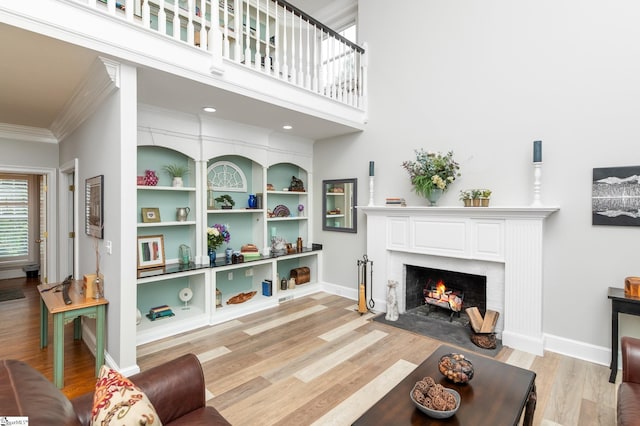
column 620, row 304
column 51, row 302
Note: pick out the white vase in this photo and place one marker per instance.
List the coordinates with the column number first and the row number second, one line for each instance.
column 177, row 182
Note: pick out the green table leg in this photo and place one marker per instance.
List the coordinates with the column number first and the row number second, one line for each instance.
column 44, row 324
column 100, row 320
column 77, row 328
column 58, row 350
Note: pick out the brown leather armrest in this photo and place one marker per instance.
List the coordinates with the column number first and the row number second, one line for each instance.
column 175, row 388
column 630, row 359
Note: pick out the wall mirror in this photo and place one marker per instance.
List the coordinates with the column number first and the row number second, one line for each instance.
column 339, row 197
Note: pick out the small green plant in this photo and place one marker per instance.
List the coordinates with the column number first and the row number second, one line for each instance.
column 486, row 193
column 226, row 200
column 465, row 195
column 475, row 193
column 176, row 170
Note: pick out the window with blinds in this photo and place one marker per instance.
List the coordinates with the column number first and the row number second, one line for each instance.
column 14, row 217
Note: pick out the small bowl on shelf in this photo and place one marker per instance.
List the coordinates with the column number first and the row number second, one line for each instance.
column 456, row 368
column 437, row 414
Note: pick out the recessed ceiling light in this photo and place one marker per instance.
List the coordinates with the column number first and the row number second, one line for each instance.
column 287, row 127
column 209, row 109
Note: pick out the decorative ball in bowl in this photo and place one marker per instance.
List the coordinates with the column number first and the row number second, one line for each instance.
column 456, row 368
column 435, row 400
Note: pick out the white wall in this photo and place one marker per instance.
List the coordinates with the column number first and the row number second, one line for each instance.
column 105, row 144
column 485, row 79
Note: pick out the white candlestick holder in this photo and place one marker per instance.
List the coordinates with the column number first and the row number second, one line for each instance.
column 371, row 191
column 537, row 184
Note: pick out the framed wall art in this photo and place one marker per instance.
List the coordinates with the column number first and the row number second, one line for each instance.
column 150, row 251
column 150, row 214
column 615, row 196
column 94, row 206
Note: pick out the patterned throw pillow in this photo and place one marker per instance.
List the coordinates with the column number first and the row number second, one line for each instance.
column 117, row 401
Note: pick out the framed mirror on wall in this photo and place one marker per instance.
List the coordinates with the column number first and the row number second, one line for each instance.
column 339, row 198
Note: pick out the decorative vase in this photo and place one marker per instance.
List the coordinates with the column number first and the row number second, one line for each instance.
column 252, row 201
column 476, row 202
column 467, row 202
column 484, row 202
column 178, row 182
column 228, row 253
column 150, row 178
column 212, row 258
column 434, row 196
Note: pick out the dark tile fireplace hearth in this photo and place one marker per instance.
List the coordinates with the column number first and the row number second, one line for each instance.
column 434, row 321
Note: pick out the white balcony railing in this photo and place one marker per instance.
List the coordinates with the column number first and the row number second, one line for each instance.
column 279, row 40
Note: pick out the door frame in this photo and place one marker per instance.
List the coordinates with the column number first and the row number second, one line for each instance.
column 68, row 199
column 52, row 179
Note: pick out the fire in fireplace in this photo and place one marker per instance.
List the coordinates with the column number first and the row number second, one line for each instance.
column 450, row 290
column 437, row 294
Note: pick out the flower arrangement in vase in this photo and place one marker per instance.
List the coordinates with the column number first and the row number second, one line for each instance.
column 432, row 173
column 216, row 235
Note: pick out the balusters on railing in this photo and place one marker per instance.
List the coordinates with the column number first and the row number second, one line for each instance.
column 276, row 61
column 267, row 40
column 292, row 70
column 190, row 26
column 176, row 19
column 316, row 50
column 247, row 39
column 146, row 14
column 204, row 40
column 257, row 57
column 303, row 52
column 237, row 29
column 285, row 66
column 162, row 18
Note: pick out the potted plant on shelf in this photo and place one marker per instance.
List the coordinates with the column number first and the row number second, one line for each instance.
column 176, row 172
column 465, row 197
column 475, row 197
column 226, row 202
column 485, row 194
column 432, row 173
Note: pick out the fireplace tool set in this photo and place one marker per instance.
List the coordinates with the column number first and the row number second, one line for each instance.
column 363, row 304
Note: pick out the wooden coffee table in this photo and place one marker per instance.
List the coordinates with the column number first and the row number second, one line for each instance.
column 497, row 395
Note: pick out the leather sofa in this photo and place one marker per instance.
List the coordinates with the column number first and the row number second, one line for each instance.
column 176, row 390
column 628, row 407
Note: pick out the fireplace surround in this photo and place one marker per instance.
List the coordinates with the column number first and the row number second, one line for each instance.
column 503, row 243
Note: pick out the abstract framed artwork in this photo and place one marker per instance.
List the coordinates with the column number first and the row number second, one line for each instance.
column 615, row 199
column 94, row 206
column 150, row 251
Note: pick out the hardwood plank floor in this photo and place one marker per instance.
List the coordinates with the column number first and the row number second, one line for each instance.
column 312, row 360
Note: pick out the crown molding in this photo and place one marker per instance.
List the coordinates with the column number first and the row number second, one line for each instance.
column 26, row 133
column 101, row 81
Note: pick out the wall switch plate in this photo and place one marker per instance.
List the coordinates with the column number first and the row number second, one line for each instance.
column 230, row 276
column 248, row 272
column 108, row 246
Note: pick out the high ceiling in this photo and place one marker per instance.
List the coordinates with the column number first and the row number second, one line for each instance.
column 39, row 74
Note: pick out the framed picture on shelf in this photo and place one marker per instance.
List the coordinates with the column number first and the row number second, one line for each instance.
column 150, row 251
column 150, row 214
column 94, row 206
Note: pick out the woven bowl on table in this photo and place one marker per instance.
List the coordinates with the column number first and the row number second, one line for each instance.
column 436, row 414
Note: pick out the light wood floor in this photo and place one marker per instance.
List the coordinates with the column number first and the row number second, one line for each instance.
column 312, row 360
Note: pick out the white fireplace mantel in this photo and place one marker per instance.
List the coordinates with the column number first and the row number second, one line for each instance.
column 510, row 236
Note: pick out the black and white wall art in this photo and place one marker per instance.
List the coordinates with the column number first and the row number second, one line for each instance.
column 616, row 196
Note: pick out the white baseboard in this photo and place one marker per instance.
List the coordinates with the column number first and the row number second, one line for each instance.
column 576, row 349
column 12, row 273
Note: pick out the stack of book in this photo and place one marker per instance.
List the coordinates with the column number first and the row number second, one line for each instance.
column 162, row 311
column 395, row 201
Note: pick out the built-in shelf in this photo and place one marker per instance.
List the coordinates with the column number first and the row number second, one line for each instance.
column 161, row 224
column 167, row 188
